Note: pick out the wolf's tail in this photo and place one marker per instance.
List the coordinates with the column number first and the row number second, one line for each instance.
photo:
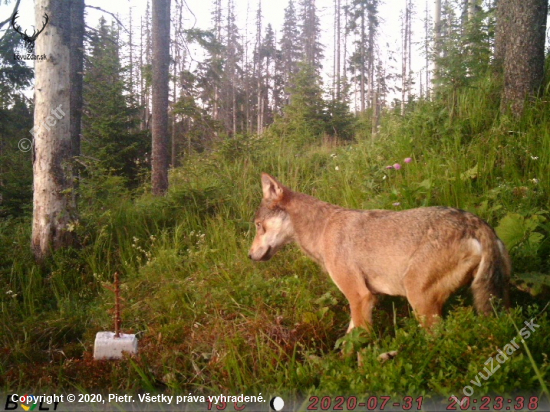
column 492, row 278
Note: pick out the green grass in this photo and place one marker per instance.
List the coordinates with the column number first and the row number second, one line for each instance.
column 211, row 321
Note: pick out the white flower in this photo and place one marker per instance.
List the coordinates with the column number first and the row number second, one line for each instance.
column 535, row 180
column 336, row 168
column 535, row 157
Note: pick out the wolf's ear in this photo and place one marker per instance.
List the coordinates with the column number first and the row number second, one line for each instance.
column 273, row 190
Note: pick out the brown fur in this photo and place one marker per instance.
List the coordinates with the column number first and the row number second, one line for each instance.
column 424, row 254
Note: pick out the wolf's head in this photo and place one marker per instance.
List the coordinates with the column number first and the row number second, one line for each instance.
column 273, row 225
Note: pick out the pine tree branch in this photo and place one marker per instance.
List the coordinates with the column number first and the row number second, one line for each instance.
column 111, row 14
column 190, row 11
column 9, row 19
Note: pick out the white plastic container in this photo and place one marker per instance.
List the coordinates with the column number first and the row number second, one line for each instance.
column 106, row 346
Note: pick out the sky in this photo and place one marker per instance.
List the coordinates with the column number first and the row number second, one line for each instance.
column 199, row 15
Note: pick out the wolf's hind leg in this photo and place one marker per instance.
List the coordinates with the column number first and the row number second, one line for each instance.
column 427, row 302
column 427, row 310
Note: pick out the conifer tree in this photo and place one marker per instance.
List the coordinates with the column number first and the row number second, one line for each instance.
column 363, row 21
column 233, row 54
column 110, row 119
column 310, row 31
column 290, row 49
column 268, row 54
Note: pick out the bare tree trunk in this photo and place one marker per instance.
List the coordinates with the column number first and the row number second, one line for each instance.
column 338, row 33
column 426, row 51
column 53, row 201
column 333, row 90
column 232, row 66
column 247, row 121
column 259, row 113
column 234, row 104
column 525, row 21
column 370, row 57
column 173, row 149
column 148, row 51
column 141, row 78
column 375, row 115
column 178, row 68
column 437, row 36
column 345, row 56
column 362, row 59
column 161, row 61
column 406, row 60
column 404, row 57
column 409, row 36
column 218, row 28
column 131, row 57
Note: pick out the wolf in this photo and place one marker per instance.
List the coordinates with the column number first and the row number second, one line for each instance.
column 424, row 254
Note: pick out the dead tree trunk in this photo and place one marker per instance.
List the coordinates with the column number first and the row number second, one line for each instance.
column 362, row 59
column 160, row 63
column 338, row 34
column 54, row 205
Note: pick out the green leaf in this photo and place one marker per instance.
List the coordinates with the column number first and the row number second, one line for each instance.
column 535, row 238
column 469, row 174
column 514, row 229
column 511, row 229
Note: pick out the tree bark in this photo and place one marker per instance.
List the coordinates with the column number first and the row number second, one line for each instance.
column 54, row 205
column 525, row 23
column 160, row 63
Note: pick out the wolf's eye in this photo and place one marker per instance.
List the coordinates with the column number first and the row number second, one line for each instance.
column 258, row 225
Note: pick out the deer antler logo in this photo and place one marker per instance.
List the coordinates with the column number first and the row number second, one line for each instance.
column 29, row 40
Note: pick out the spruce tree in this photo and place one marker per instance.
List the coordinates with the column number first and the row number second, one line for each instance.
column 290, row 49
column 312, row 49
column 110, row 120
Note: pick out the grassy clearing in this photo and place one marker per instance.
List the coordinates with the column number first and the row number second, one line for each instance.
column 211, row 321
